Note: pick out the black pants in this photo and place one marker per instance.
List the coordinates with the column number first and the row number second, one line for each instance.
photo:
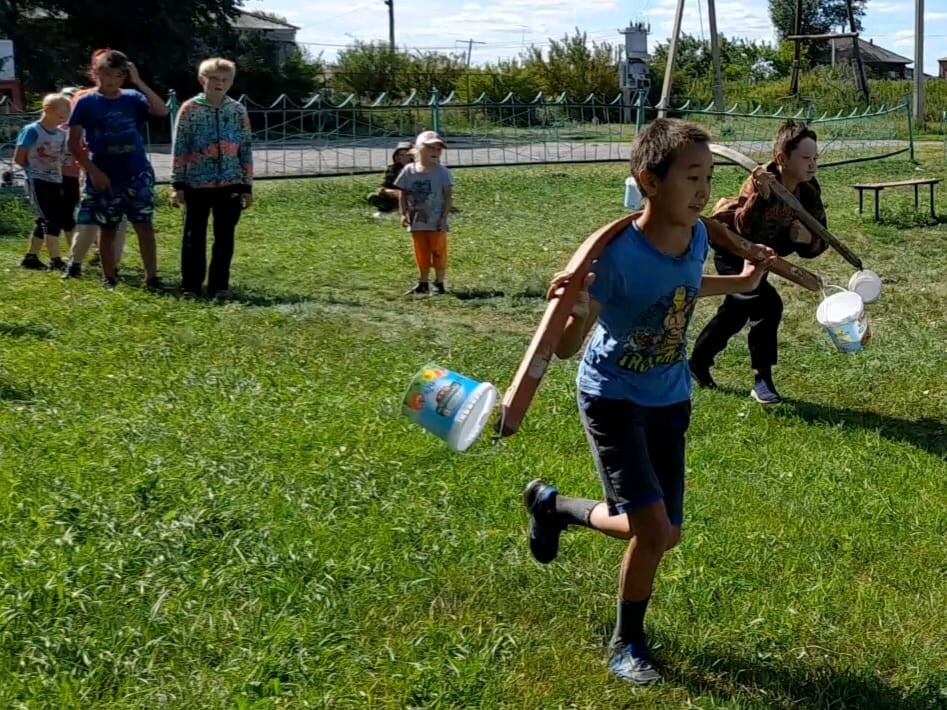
column 763, row 308
column 225, row 203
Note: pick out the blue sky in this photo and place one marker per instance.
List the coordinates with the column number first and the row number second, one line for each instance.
column 506, row 26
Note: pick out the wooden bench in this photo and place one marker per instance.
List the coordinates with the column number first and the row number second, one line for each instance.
column 877, row 187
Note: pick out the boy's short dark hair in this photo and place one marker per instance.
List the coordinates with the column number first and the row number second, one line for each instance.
column 655, row 147
column 110, row 58
column 790, row 135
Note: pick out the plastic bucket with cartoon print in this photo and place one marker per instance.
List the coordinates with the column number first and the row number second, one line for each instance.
column 633, row 198
column 843, row 316
column 450, row 406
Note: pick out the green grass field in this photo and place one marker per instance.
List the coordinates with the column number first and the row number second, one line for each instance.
column 221, row 506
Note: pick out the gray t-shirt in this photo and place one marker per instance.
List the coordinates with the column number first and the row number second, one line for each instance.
column 425, row 193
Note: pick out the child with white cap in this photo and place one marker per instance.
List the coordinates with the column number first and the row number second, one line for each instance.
column 425, row 203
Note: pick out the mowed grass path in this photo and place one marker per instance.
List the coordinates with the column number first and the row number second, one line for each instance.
column 220, row 506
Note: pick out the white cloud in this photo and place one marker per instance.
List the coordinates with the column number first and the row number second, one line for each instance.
column 891, row 7
column 509, row 26
column 753, row 22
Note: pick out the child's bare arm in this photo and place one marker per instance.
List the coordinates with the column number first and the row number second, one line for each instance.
column 156, row 106
column 448, row 203
column 20, row 156
column 403, row 207
column 100, row 180
column 584, row 314
column 750, row 279
column 75, row 147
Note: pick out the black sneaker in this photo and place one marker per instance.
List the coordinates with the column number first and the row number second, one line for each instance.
column 109, row 283
column 154, row 284
column 73, row 272
column 439, row 289
column 764, row 391
column 32, row 262
column 57, row 264
column 632, row 664
column 421, row 288
column 701, row 374
column 96, row 260
column 544, row 528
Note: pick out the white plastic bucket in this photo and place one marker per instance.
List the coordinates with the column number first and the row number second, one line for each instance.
column 866, row 284
column 450, row 406
column 844, row 319
column 632, row 194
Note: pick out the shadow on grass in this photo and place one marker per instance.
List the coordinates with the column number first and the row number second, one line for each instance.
column 133, row 278
column 14, row 393
column 817, row 686
column 25, row 330
column 927, row 434
column 483, row 294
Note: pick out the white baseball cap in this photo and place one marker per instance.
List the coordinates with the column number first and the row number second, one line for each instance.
column 429, row 138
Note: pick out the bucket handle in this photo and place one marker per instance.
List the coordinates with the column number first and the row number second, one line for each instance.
column 825, row 288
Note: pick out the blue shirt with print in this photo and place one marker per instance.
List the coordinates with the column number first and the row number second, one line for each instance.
column 638, row 349
column 113, row 133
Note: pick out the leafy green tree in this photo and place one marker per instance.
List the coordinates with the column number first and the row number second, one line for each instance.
column 818, row 17
column 371, row 68
column 575, row 66
column 54, row 40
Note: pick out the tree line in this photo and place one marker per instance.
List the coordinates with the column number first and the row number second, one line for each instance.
column 54, row 39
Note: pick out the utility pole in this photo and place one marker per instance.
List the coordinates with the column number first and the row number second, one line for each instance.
column 672, row 59
column 470, row 44
column 391, row 23
column 918, row 62
column 715, row 55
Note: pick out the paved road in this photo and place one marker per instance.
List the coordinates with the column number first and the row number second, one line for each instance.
column 373, row 155
column 331, row 159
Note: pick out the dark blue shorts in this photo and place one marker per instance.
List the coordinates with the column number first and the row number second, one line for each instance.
column 639, row 452
column 136, row 200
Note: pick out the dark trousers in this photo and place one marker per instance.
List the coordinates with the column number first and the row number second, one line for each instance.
column 762, row 308
column 225, row 204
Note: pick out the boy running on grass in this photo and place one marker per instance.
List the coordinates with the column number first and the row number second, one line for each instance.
column 633, row 383
column 760, row 216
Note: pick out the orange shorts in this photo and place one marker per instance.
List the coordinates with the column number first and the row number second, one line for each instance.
column 430, row 250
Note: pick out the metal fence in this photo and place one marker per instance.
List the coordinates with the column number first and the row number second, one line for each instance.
column 321, row 137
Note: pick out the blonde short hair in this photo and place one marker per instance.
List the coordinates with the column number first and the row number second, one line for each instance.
column 51, row 100
column 216, row 64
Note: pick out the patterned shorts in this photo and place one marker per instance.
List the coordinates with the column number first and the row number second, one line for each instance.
column 136, row 200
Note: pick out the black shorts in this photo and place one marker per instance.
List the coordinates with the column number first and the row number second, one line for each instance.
column 49, row 204
column 71, row 192
column 639, row 452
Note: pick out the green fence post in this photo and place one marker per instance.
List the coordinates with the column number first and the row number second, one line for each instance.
column 436, row 110
column 907, row 106
column 172, row 108
column 639, row 117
